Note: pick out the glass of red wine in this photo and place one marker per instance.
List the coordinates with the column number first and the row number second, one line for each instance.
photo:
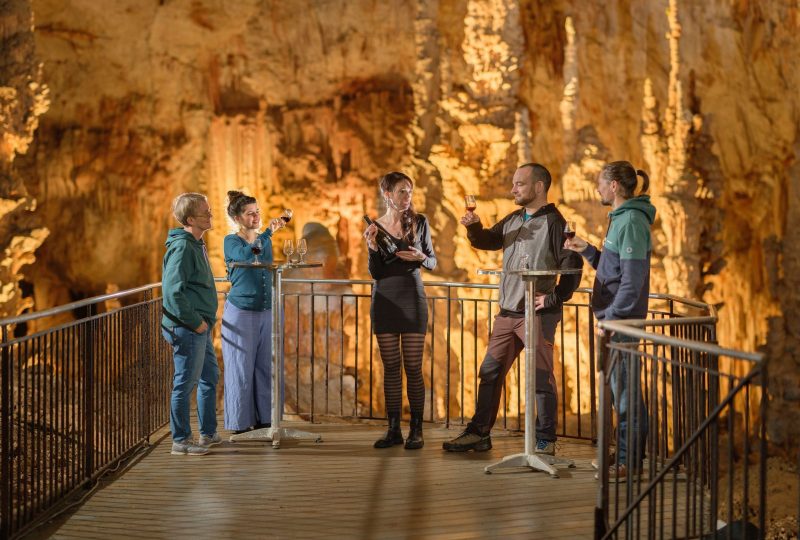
column 469, row 203
column 569, row 230
column 287, row 215
column 255, row 247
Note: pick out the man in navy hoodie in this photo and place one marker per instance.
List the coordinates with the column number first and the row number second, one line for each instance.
column 621, row 290
column 190, row 311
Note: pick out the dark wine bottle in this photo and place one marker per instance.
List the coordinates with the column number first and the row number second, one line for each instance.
column 386, row 245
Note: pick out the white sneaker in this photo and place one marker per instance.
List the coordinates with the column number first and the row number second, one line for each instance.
column 188, row 448
column 207, row 441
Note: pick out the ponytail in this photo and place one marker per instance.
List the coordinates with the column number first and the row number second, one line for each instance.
column 626, row 176
column 645, row 181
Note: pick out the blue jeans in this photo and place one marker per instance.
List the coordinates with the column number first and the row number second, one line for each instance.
column 626, row 393
column 195, row 366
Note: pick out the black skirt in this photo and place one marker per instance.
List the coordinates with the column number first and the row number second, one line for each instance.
column 399, row 305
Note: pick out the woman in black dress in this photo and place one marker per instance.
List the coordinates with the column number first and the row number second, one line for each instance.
column 399, row 307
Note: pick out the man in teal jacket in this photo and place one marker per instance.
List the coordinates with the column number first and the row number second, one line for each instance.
column 621, row 291
column 189, row 313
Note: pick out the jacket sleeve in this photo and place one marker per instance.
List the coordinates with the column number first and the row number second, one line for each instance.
column 236, row 250
column 488, row 239
column 173, row 285
column 592, row 255
column 266, row 245
column 426, row 245
column 634, row 245
column 567, row 260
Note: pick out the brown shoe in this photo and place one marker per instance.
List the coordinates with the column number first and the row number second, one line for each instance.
column 619, row 473
column 468, row 441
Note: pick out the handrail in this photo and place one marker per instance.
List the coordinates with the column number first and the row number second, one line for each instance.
column 661, row 339
column 143, row 288
column 76, row 305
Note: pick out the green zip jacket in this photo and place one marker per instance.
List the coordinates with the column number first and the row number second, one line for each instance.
column 187, row 284
column 622, row 283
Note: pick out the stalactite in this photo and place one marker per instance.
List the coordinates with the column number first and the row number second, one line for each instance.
column 673, row 180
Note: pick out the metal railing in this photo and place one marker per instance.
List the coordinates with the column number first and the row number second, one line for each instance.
column 333, row 365
column 77, row 398
column 700, row 431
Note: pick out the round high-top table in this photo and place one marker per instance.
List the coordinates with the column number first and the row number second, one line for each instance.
column 529, row 458
column 275, row 433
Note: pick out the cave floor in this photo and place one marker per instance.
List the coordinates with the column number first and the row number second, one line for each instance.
column 340, row 488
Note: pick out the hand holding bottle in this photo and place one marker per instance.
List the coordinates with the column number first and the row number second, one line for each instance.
column 369, row 234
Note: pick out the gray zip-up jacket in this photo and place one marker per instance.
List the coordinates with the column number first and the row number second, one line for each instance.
column 541, row 236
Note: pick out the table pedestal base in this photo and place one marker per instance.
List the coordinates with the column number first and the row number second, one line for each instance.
column 537, row 462
column 275, row 434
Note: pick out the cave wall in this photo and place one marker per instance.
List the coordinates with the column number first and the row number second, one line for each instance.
column 23, row 98
column 306, row 103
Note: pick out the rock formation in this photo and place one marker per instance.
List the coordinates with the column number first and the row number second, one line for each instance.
column 305, row 104
column 23, row 99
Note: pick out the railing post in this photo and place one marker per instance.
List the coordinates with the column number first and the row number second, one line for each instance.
column 150, row 332
column 5, row 420
column 593, row 369
column 313, row 339
column 603, row 436
column 88, row 395
column 447, row 376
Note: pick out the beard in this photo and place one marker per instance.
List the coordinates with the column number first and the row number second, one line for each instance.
column 523, row 201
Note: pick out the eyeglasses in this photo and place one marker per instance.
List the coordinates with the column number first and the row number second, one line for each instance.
column 207, row 214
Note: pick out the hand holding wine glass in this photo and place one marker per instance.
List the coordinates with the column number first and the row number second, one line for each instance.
column 369, row 235
column 576, row 244
column 275, row 224
column 470, row 217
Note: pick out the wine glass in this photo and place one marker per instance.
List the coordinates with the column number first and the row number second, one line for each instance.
column 469, row 203
column 524, row 262
column 302, row 248
column 255, row 247
column 569, row 230
column 286, row 216
column 288, row 249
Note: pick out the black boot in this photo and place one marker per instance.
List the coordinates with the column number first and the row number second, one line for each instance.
column 415, row 441
column 393, row 435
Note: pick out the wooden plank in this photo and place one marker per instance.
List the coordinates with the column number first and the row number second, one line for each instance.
column 342, row 488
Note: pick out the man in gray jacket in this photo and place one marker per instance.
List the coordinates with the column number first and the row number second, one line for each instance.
column 531, row 237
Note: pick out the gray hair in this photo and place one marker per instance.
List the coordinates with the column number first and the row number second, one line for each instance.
column 185, row 206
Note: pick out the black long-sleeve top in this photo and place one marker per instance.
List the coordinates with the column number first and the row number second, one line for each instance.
column 378, row 269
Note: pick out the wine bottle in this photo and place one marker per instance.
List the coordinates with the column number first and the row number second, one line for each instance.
column 386, row 245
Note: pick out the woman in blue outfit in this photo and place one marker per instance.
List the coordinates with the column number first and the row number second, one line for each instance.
column 247, row 319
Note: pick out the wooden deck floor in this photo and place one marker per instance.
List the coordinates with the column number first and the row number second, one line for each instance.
column 340, row 488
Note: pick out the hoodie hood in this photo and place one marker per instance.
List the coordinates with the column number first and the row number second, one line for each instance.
column 178, row 235
column 641, row 203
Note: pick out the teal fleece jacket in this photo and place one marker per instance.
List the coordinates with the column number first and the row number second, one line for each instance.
column 187, row 284
column 622, row 283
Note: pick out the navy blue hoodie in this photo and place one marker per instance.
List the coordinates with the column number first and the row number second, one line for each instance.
column 622, row 284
